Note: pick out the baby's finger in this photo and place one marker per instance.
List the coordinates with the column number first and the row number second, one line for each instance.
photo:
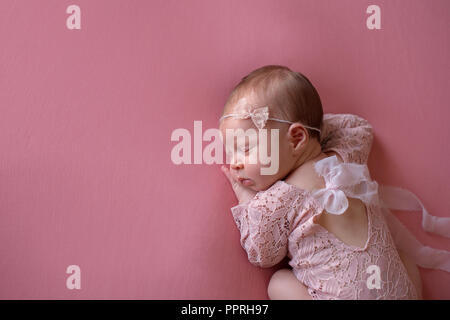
column 227, row 173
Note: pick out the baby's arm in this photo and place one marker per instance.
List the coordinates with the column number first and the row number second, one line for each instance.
column 349, row 135
column 265, row 223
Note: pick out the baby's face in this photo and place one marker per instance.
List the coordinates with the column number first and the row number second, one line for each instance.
column 245, row 162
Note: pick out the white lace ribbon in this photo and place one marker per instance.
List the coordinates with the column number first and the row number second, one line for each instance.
column 342, row 180
column 333, row 200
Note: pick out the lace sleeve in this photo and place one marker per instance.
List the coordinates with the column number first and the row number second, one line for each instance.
column 266, row 221
column 349, row 135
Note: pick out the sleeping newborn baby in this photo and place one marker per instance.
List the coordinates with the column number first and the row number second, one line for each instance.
column 320, row 207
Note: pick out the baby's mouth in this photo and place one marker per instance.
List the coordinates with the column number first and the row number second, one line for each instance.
column 246, row 182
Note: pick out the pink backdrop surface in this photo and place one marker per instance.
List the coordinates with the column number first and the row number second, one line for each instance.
column 86, row 117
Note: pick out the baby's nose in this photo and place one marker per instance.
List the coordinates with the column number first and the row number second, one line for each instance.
column 237, row 165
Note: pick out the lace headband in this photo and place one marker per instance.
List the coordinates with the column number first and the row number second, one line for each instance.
column 259, row 117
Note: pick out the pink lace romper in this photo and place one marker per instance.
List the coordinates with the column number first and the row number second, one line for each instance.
column 280, row 221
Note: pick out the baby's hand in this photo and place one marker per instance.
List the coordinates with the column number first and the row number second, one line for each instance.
column 242, row 193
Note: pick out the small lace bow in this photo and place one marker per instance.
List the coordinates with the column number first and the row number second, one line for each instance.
column 259, row 116
column 353, row 178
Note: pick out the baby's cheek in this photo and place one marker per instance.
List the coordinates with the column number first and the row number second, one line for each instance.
column 256, row 174
column 253, row 170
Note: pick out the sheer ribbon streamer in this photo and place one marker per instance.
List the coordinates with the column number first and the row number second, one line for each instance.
column 396, row 198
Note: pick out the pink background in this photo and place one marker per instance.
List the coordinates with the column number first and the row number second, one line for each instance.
column 86, row 118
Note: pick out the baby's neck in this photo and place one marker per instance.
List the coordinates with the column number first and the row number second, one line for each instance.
column 312, row 154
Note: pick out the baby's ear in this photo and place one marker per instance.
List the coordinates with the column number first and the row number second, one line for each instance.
column 297, row 135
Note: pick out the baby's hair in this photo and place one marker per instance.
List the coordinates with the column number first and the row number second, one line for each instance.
column 288, row 94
